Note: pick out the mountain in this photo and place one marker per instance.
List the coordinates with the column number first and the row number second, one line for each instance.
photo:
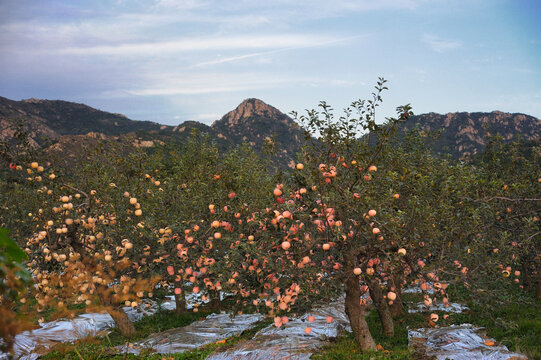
column 50, row 119
column 70, row 127
column 463, row 134
column 259, row 124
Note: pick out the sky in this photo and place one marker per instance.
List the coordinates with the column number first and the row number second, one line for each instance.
column 174, row 60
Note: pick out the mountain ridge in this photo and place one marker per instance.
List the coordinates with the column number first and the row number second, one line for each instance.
column 253, row 121
column 464, row 134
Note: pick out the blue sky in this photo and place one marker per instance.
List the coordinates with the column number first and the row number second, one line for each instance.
column 170, row 61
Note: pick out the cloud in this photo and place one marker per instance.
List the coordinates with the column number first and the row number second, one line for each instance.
column 231, row 59
column 174, row 84
column 320, row 42
column 143, row 27
column 366, row 5
column 303, row 9
column 139, row 19
column 169, row 84
column 440, row 45
column 180, row 5
column 211, row 43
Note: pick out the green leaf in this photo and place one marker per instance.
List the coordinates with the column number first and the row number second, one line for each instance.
column 11, row 250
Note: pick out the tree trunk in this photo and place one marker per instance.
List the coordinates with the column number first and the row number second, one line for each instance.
column 356, row 312
column 538, row 285
column 214, row 300
column 397, row 306
column 122, row 321
column 383, row 309
column 180, row 303
column 124, row 324
column 526, row 276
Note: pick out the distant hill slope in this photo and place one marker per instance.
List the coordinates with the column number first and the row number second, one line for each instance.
column 71, row 125
column 53, row 118
column 464, row 134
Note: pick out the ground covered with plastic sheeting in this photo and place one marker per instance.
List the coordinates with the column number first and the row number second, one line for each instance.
column 290, row 341
column 30, row 345
column 458, row 342
column 294, row 338
column 213, row 328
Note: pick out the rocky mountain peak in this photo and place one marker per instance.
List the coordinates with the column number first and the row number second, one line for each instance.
column 258, row 124
column 250, row 108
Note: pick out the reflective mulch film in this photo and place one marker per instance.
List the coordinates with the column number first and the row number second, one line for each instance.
column 458, row 342
column 31, row 344
column 290, row 341
column 213, row 328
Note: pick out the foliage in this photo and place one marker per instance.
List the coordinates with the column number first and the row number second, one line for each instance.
column 506, row 198
column 13, row 278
